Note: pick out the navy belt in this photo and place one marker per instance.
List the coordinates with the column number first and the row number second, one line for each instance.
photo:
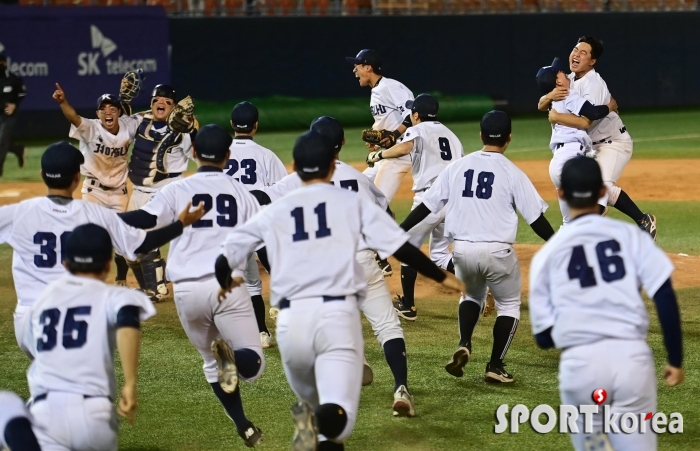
column 560, row 145
column 96, row 183
column 622, row 131
column 285, row 303
column 43, row 396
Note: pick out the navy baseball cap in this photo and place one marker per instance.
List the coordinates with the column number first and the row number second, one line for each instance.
column 581, row 181
column 109, row 99
column 366, row 56
column 331, row 129
column 244, row 115
column 88, row 244
column 424, row 105
column 61, row 161
column 313, row 152
column 547, row 76
column 166, row 91
column 495, row 124
column 212, row 143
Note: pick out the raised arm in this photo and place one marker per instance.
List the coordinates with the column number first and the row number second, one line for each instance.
column 68, row 111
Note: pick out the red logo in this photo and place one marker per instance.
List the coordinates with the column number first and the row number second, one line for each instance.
column 649, row 415
column 599, row 396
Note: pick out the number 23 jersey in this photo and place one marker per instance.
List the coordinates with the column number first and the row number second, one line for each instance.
column 585, row 282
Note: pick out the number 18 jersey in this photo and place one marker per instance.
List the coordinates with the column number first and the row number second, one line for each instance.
column 585, row 281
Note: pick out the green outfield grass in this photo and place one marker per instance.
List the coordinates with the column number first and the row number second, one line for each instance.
column 178, row 411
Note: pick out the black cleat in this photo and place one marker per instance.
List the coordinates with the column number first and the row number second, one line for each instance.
column 409, row 314
column 384, row 266
column 21, row 155
column 252, row 435
column 497, row 374
column 648, row 224
column 458, row 361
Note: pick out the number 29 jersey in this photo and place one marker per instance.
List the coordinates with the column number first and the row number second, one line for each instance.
column 585, row 282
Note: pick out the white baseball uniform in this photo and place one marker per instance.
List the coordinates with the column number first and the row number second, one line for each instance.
column 36, row 229
column 376, row 305
column 480, row 194
column 566, row 143
column 434, row 148
column 254, row 166
column 312, row 236
column 612, row 144
column 585, row 284
column 388, row 106
column 72, row 380
column 191, row 263
column 106, row 167
column 11, row 407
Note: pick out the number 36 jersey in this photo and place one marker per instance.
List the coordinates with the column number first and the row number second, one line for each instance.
column 227, row 203
column 585, row 282
column 73, row 335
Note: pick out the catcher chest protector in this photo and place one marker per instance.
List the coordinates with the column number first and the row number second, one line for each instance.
column 149, row 154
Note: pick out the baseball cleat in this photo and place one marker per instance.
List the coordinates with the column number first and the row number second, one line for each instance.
column 458, row 361
column 497, row 374
column 274, row 313
column 305, row 434
column 409, row 314
column 120, row 283
column 252, row 435
column 367, row 374
column 265, row 340
column 403, row 403
column 227, row 371
column 648, row 224
column 21, row 156
column 384, row 266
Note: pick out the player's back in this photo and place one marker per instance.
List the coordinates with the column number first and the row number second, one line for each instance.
column 252, row 164
column 73, row 335
column 388, row 103
column 593, row 270
column 435, row 147
column 561, row 134
column 227, row 203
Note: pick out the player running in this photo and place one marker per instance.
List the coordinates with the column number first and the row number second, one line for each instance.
column 75, row 325
column 318, row 329
column 568, row 142
column 213, row 327
column 16, row 424
column 38, row 228
column 255, row 167
column 431, row 147
column 479, row 195
column 585, row 299
column 612, row 143
column 376, row 305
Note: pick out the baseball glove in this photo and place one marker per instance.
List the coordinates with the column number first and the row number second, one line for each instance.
column 381, row 138
column 181, row 118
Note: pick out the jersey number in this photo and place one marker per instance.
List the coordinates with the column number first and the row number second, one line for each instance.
column 47, row 248
column 445, row 151
column 484, row 184
column 300, row 233
column 74, row 331
column 612, row 267
column 225, row 205
column 349, row 185
column 249, row 165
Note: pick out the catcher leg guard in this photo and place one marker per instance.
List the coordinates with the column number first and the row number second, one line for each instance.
column 136, row 269
column 161, row 281
column 152, row 269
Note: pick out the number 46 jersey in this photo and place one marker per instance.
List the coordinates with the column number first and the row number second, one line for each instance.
column 585, row 282
column 227, row 203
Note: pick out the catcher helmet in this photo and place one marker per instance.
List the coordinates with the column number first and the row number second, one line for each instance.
column 166, row 91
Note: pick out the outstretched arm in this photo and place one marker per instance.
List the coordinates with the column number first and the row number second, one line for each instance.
column 670, row 319
column 68, row 111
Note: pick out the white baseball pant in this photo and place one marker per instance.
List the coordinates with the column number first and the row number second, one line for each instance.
column 561, row 156
column 625, row 370
column 433, row 225
column 612, row 156
column 116, row 199
column 377, row 306
column 140, row 197
column 492, row 265
column 205, row 319
column 22, row 322
column 322, row 353
column 70, row 422
column 252, row 276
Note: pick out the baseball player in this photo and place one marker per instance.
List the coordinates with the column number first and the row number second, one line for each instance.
column 376, row 305
column 254, row 166
column 75, row 325
column 568, row 142
column 431, row 147
column 612, row 143
column 479, row 195
column 16, row 424
column 318, row 329
column 37, row 230
column 585, row 299
column 104, row 143
column 214, row 328
column 160, row 155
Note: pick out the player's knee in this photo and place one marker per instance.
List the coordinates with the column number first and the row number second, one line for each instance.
column 19, row 435
column 391, row 332
column 469, row 298
column 613, row 192
column 250, row 363
column 511, row 309
column 332, row 420
column 255, row 288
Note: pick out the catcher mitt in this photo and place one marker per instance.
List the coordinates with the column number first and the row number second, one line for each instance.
column 181, row 118
column 381, row 138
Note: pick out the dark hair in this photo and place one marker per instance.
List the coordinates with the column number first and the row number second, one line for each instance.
column 425, row 118
column 596, row 45
column 86, row 268
column 376, row 69
column 60, row 183
column 581, row 202
column 244, row 131
column 498, row 142
column 306, row 176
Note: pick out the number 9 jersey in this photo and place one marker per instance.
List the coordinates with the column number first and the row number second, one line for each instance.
column 585, row 282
